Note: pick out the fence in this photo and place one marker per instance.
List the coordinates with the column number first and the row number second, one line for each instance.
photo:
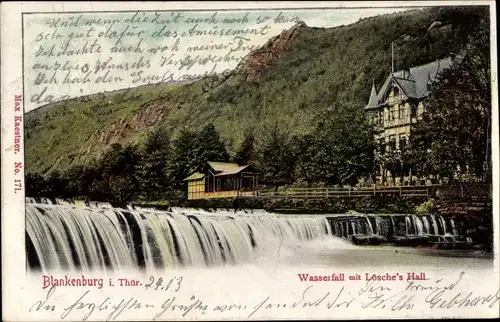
column 462, row 191
column 469, row 191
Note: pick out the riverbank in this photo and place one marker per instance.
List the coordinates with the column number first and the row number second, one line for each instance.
column 379, row 204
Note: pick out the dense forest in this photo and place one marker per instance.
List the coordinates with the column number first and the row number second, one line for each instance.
column 339, row 153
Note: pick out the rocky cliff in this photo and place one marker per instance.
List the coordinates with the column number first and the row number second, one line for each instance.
column 259, row 61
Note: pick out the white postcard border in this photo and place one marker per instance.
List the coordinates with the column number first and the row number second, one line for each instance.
column 13, row 253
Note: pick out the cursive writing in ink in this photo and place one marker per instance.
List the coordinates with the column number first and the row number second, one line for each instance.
column 42, row 304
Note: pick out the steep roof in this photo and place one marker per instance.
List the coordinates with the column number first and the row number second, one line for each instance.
column 413, row 82
column 373, row 102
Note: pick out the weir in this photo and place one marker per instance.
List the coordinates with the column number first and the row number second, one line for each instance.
column 401, row 229
column 392, row 225
column 89, row 238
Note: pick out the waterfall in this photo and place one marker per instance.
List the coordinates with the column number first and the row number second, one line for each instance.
column 453, row 227
column 443, row 225
column 380, row 226
column 418, row 224
column 370, row 226
column 83, row 238
column 353, row 226
column 408, row 225
column 426, row 225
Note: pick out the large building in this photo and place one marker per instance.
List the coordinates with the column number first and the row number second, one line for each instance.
column 395, row 109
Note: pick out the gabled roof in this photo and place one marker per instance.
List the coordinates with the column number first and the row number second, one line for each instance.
column 195, row 176
column 221, row 166
column 226, row 168
column 219, row 169
column 413, row 82
column 408, row 86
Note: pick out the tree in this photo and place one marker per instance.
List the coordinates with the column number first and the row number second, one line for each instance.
column 183, row 159
column 154, row 157
column 454, row 135
column 119, row 181
column 392, row 162
column 74, row 184
column 308, row 167
column 191, row 151
column 210, row 146
column 55, row 185
column 345, row 141
column 275, row 158
column 35, row 185
column 246, row 150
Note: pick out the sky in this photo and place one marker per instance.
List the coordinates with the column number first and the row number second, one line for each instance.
column 52, row 73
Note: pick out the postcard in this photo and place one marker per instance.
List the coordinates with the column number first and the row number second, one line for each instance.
column 249, row 160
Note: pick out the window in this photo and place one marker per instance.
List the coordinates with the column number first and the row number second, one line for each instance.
column 392, row 143
column 402, row 112
column 395, row 90
column 218, row 184
column 382, row 146
column 391, row 113
column 402, row 142
column 414, row 110
column 381, row 117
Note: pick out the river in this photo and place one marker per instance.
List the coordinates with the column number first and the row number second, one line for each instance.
column 76, row 238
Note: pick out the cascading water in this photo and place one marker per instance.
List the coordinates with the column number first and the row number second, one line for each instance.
column 353, row 226
column 427, row 226
column 419, row 225
column 408, row 225
column 64, row 237
column 393, row 224
column 435, row 224
column 453, row 227
column 388, row 226
column 370, row 226
column 443, row 225
column 381, row 227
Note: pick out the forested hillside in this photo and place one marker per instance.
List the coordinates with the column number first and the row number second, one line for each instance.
column 295, row 78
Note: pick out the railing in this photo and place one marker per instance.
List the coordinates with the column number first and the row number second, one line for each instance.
column 220, row 194
column 463, row 191
column 470, row 191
